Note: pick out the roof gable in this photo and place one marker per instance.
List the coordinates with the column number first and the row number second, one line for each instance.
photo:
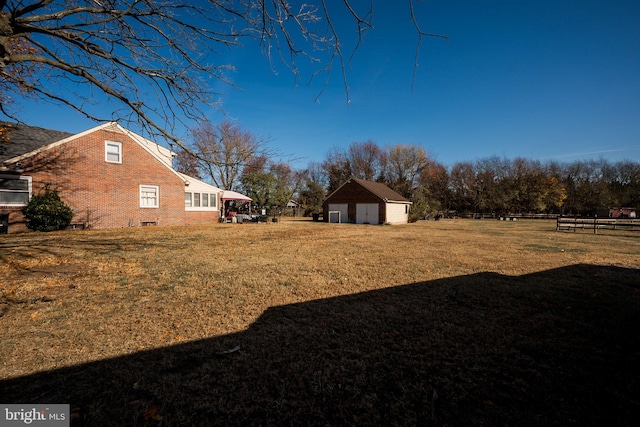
column 31, row 140
column 381, row 190
column 378, row 189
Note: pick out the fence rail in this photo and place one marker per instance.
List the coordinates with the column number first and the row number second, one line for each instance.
column 512, row 217
column 595, row 224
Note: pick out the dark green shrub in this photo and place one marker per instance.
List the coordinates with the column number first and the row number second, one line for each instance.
column 46, row 212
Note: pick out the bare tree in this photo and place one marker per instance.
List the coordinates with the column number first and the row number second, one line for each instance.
column 224, row 150
column 433, row 189
column 129, row 50
column 314, row 173
column 626, row 183
column 366, row 159
column 337, row 168
column 187, row 163
column 404, row 165
column 135, row 51
column 256, row 164
column 462, row 184
column 312, row 192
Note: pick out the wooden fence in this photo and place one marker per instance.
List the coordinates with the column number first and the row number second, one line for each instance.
column 595, row 224
column 512, row 217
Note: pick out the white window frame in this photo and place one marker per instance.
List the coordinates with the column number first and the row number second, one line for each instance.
column 107, row 151
column 23, row 178
column 211, row 197
column 143, row 200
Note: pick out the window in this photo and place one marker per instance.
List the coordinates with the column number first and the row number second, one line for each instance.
column 201, row 202
column 149, row 195
column 15, row 190
column 113, row 152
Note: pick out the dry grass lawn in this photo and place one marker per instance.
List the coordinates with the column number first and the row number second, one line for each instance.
column 455, row 322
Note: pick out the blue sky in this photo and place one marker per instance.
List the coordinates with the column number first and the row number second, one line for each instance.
column 549, row 80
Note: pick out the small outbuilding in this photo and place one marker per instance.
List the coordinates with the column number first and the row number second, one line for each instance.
column 365, row 202
column 622, row 213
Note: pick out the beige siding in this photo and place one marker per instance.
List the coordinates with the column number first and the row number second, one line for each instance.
column 357, row 200
column 397, row 213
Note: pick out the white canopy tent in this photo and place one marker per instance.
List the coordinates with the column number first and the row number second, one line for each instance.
column 228, row 195
column 232, row 195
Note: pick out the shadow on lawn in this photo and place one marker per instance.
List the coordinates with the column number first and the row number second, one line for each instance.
column 559, row 347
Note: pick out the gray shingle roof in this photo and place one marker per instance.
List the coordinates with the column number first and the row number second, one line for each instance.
column 17, row 139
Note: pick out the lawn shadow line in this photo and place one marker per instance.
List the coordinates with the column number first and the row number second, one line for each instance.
column 557, row 347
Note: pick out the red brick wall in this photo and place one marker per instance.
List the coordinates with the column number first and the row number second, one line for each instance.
column 16, row 219
column 107, row 195
column 193, row 217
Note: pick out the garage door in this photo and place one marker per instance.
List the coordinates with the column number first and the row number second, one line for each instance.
column 334, row 208
column 367, row 213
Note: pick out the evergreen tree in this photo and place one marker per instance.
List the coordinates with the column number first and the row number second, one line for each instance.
column 47, row 212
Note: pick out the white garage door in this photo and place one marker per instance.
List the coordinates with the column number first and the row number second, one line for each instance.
column 367, row 213
column 334, row 208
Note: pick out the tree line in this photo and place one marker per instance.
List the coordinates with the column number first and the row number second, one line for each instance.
column 234, row 159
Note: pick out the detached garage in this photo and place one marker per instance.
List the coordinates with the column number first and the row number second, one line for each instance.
column 365, row 202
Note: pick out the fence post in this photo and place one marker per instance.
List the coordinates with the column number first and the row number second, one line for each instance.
column 595, row 224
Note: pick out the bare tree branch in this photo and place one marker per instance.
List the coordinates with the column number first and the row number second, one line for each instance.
column 223, row 151
column 155, row 58
column 421, row 34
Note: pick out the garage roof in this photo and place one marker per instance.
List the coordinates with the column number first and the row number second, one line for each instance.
column 381, row 190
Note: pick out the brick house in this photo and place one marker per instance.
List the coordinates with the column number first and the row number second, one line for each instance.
column 365, row 202
column 108, row 175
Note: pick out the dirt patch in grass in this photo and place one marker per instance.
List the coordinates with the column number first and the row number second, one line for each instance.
column 302, row 323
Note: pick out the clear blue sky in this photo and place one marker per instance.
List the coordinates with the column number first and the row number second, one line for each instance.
column 537, row 79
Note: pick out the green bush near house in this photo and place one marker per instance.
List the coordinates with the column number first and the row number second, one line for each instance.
column 47, row 212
